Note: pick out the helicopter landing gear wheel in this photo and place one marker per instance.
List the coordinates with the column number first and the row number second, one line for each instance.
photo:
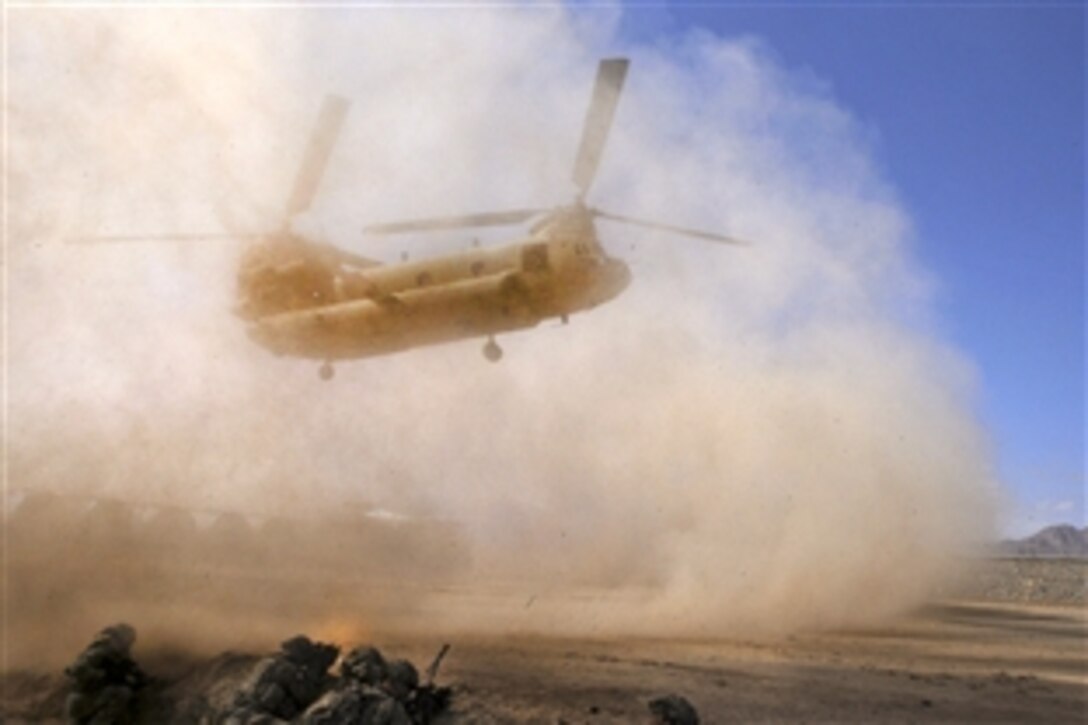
column 326, row 371
column 492, row 351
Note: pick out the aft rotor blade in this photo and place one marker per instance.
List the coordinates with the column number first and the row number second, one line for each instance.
column 487, row 219
column 606, row 94
column 313, row 165
column 137, row 238
column 699, row 234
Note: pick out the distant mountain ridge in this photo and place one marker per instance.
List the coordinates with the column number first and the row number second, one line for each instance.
column 1063, row 540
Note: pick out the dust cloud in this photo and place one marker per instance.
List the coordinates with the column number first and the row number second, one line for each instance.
column 772, row 437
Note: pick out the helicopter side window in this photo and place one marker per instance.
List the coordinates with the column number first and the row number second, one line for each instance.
column 534, row 258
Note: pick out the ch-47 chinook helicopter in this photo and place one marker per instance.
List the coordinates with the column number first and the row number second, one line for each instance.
column 310, row 300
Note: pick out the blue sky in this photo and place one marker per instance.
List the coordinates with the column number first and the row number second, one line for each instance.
column 978, row 113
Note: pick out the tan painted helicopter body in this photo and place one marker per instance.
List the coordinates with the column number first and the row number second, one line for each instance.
column 335, row 309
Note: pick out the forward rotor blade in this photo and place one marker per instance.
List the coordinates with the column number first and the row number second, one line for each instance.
column 709, row 236
column 313, row 165
column 487, row 219
column 606, row 94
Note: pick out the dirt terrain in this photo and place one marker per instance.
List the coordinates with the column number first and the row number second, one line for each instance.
column 952, row 662
column 966, row 660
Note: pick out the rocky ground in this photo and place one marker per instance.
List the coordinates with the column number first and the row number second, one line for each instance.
column 1013, row 647
column 1028, row 581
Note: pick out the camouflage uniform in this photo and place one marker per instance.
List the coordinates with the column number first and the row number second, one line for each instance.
column 284, row 685
column 106, row 680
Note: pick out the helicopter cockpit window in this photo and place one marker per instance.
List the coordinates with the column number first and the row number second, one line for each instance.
column 535, row 258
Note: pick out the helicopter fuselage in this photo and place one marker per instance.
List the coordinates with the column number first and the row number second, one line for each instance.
column 314, row 304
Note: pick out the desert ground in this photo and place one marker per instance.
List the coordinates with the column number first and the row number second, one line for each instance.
column 952, row 662
column 1012, row 646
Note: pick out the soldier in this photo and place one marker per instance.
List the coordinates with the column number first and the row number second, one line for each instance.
column 106, row 679
column 287, row 683
column 365, row 665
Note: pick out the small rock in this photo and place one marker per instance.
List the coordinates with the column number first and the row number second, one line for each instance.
column 673, row 710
